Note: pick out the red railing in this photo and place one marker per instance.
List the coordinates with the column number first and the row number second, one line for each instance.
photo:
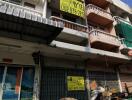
column 71, row 25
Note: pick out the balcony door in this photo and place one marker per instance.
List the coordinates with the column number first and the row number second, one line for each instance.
column 16, row 83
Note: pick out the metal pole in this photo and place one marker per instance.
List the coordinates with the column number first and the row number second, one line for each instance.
column 88, row 84
column 89, row 45
column 20, row 83
column 119, row 81
column 3, row 82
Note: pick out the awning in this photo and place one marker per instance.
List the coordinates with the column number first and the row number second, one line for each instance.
column 124, row 30
column 20, row 23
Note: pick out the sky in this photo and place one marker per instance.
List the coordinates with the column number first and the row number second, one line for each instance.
column 129, row 2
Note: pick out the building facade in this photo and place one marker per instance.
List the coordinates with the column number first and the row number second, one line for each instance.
column 58, row 49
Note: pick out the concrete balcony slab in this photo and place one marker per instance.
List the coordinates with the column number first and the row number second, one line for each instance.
column 98, row 15
column 102, row 40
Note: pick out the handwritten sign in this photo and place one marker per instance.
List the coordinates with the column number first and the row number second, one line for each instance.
column 75, row 83
column 73, row 7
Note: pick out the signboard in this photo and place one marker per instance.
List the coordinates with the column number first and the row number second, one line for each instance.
column 75, row 83
column 75, row 7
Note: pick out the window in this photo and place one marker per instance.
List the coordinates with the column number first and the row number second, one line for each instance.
column 57, row 14
column 27, row 84
column 96, row 26
column 69, row 18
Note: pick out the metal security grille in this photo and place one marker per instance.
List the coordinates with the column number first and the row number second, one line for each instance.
column 108, row 79
column 126, row 79
column 97, row 76
column 112, row 81
column 54, row 84
column 79, row 95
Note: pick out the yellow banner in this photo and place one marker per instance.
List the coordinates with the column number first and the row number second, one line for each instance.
column 75, row 83
column 73, row 7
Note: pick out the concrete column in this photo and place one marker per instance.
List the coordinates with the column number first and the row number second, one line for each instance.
column 37, row 77
column 36, row 90
column 45, row 8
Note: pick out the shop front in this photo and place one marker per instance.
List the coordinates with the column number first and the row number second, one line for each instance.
column 16, row 82
column 76, row 83
column 108, row 80
column 105, row 78
column 59, row 84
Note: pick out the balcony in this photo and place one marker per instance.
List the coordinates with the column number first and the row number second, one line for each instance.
column 99, row 3
column 24, row 23
column 72, row 32
column 120, row 20
column 69, row 24
column 17, row 8
column 98, row 15
column 126, row 47
column 102, row 40
column 124, row 30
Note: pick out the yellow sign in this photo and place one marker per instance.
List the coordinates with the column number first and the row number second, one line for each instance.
column 75, row 7
column 75, row 83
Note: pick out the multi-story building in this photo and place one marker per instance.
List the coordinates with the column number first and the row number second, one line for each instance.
column 58, row 49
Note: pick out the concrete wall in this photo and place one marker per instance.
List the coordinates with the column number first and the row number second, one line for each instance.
column 17, row 58
column 63, row 63
column 38, row 3
column 26, row 59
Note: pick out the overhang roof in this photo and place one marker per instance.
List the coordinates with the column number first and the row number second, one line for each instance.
column 62, row 50
column 21, row 24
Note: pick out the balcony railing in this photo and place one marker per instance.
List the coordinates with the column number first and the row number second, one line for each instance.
column 125, row 49
column 104, row 15
column 104, row 37
column 124, row 28
column 119, row 19
column 71, row 25
column 19, row 8
column 90, row 28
